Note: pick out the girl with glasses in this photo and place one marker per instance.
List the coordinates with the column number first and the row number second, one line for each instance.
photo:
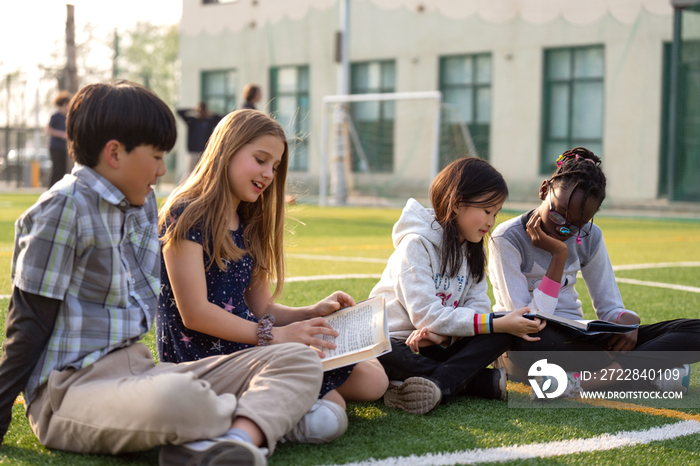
column 535, row 260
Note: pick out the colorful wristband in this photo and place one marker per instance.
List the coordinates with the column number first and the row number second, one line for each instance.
column 265, row 329
column 483, row 323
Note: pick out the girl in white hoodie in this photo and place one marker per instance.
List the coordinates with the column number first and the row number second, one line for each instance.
column 435, row 289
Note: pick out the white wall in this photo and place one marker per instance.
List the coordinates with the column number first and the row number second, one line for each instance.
column 384, row 29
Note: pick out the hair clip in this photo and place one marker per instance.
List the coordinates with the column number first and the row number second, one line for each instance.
column 562, row 158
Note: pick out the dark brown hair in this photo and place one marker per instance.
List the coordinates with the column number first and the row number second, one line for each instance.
column 581, row 168
column 461, row 183
column 125, row 111
column 249, row 91
column 62, row 98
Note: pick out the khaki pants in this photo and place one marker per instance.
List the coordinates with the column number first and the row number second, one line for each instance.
column 124, row 402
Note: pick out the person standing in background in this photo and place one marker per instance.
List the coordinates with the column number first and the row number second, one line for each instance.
column 200, row 125
column 252, row 94
column 58, row 147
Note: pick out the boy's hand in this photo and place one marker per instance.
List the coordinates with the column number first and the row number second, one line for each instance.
column 423, row 337
column 542, row 240
column 624, row 342
column 515, row 324
column 332, row 303
column 305, row 332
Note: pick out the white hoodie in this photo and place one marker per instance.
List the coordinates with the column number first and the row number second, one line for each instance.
column 416, row 295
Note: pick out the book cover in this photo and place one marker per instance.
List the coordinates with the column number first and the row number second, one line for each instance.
column 587, row 327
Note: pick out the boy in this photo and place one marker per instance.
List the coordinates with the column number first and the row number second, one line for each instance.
column 86, row 263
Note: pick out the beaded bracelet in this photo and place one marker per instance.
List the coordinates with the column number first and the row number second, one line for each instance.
column 265, row 329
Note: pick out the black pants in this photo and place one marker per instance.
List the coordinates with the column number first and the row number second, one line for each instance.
column 59, row 159
column 450, row 368
column 680, row 336
column 28, row 326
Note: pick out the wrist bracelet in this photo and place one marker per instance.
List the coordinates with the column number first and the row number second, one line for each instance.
column 265, row 329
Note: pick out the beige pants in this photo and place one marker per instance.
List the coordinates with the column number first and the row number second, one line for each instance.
column 124, row 402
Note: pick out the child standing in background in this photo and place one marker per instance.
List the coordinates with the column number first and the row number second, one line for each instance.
column 535, row 260
column 222, row 242
column 435, row 291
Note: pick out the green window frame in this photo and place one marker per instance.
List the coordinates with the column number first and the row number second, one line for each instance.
column 573, row 102
column 465, row 83
column 218, row 90
column 289, row 89
column 373, row 121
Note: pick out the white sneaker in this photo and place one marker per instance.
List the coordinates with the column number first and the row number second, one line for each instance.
column 682, row 384
column 325, row 422
column 217, row 451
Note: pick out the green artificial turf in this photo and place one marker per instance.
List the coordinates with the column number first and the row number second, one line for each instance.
column 376, row 431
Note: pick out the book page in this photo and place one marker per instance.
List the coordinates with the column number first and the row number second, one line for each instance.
column 359, row 327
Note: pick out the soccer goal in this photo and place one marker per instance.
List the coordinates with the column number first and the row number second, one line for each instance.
column 383, row 148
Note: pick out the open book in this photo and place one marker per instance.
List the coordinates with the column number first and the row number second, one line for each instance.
column 364, row 334
column 588, row 327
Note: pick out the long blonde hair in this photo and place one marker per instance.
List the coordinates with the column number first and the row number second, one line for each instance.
column 208, row 201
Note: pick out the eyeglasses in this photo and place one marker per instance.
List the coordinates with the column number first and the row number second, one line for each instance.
column 565, row 227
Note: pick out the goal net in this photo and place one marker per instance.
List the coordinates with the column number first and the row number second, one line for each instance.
column 380, row 149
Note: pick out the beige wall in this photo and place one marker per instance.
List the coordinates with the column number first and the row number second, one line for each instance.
column 383, row 29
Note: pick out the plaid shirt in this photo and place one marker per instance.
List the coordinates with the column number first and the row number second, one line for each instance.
column 83, row 243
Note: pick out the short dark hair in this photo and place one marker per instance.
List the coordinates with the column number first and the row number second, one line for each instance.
column 125, row 111
column 580, row 168
column 62, row 98
column 249, row 91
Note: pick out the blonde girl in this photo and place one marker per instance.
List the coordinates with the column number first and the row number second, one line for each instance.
column 222, row 242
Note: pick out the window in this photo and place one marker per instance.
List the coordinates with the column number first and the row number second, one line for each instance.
column 219, row 90
column 573, row 102
column 373, row 121
column 465, row 83
column 290, row 107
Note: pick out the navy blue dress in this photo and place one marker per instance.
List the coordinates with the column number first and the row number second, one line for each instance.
column 225, row 288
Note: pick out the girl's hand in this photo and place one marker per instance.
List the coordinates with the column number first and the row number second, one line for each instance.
column 542, row 240
column 332, row 303
column 423, row 337
column 515, row 324
column 623, row 342
column 304, row 332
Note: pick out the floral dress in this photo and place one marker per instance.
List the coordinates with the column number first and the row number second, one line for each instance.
column 225, row 288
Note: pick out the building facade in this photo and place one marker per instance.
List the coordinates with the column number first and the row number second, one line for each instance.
column 528, row 79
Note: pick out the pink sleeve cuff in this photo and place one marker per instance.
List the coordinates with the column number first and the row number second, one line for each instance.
column 550, row 287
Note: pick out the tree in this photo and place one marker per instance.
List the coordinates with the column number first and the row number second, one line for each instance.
column 149, row 55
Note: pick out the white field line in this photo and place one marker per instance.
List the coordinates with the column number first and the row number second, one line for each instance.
column 657, row 265
column 541, row 450
column 632, row 281
column 382, row 261
column 337, row 258
column 312, row 278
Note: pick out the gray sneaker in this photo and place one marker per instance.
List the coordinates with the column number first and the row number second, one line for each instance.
column 325, row 422
column 416, row 395
column 217, row 451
